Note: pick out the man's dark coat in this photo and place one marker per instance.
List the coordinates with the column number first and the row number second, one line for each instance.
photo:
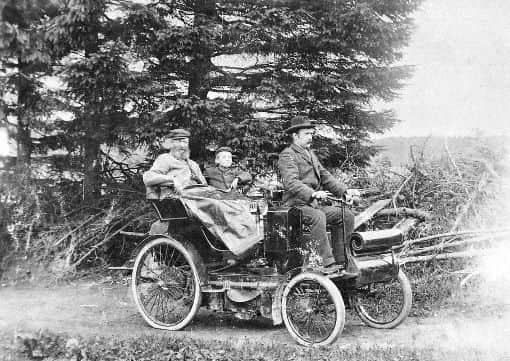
column 303, row 174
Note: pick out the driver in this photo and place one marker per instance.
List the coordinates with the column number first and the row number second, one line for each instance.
column 306, row 183
column 173, row 169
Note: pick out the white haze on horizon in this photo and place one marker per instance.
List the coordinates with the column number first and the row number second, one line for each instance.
column 494, row 266
column 461, row 83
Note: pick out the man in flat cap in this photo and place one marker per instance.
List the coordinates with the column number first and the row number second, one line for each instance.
column 173, row 169
column 306, row 184
column 225, row 215
column 224, row 175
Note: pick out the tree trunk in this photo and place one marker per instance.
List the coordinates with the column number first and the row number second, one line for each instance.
column 200, row 65
column 24, row 144
column 91, row 141
column 91, row 161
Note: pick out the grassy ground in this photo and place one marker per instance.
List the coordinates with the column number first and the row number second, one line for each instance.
column 47, row 346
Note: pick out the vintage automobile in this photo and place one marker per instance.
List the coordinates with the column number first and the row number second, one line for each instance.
column 180, row 268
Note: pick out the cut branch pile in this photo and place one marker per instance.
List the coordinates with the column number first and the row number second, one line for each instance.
column 434, row 201
column 86, row 239
column 453, row 245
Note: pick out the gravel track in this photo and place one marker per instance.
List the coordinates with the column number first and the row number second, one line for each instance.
column 92, row 309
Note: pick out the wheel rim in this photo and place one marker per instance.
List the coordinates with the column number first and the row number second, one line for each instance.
column 311, row 311
column 165, row 285
column 380, row 303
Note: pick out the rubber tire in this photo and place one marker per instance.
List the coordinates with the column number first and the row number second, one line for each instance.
column 404, row 312
column 335, row 295
column 194, row 260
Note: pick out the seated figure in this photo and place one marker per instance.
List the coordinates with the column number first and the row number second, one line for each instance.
column 226, row 215
column 173, row 169
column 224, row 175
column 306, row 184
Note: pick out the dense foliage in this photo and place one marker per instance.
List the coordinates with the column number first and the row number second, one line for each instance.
column 123, row 73
column 24, row 61
column 235, row 71
column 86, row 82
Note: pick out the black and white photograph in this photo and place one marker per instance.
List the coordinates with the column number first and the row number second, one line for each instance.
column 247, row 180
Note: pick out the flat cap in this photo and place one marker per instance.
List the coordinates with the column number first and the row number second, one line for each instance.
column 178, row 134
column 223, row 149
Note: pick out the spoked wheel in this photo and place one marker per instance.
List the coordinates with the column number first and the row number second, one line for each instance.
column 385, row 304
column 313, row 309
column 166, row 283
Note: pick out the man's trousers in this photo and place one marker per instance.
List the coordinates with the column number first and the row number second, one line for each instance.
column 317, row 218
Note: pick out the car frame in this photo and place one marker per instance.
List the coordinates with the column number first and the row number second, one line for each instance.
column 180, row 267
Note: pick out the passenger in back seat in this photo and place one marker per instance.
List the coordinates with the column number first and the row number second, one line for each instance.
column 225, row 215
column 224, row 175
column 173, row 169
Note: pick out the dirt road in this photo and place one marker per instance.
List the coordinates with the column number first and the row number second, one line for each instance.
column 90, row 309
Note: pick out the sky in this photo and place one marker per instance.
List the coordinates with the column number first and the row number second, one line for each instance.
column 461, row 83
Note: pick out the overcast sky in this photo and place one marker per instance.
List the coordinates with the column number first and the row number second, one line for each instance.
column 461, row 50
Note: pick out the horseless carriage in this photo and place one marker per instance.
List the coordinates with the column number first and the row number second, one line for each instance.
column 180, row 267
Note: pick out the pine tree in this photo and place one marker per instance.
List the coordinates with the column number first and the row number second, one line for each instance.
column 236, row 71
column 24, row 61
column 93, row 63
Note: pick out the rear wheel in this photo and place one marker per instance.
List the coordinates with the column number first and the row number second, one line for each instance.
column 385, row 304
column 313, row 309
column 166, row 283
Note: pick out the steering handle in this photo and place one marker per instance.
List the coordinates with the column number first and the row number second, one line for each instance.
column 339, row 200
column 352, row 201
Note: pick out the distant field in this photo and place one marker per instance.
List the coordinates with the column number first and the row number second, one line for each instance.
column 398, row 150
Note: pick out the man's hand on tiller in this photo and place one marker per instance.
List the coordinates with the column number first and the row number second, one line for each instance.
column 321, row 195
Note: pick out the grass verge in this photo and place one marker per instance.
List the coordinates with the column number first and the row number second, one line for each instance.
column 56, row 347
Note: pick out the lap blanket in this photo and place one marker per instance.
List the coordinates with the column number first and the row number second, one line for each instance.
column 225, row 214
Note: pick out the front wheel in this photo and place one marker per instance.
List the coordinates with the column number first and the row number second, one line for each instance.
column 313, row 309
column 166, row 283
column 384, row 304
